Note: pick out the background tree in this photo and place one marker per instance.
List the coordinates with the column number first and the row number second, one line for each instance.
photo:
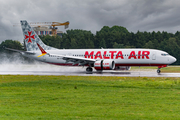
column 149, row 45
column 11, row 44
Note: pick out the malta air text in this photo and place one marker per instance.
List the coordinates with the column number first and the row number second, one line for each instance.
column 117, row 55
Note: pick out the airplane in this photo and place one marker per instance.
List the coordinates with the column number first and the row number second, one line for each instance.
column 99, row 59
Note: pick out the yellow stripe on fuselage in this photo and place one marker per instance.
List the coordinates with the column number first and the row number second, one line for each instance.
column 41, row 54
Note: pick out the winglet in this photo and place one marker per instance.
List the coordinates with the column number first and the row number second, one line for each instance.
column 42, row 50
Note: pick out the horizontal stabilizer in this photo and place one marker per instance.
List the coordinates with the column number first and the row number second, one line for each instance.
column 20, row 51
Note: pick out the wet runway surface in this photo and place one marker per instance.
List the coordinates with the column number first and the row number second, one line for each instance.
column 44, row 69
column 106, row 73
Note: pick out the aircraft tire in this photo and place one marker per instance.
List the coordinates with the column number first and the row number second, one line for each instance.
column 89, row 69
column 158, row 71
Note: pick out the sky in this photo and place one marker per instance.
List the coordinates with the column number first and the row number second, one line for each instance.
column 91, row 15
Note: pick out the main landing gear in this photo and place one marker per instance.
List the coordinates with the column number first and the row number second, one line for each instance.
column 89, row 69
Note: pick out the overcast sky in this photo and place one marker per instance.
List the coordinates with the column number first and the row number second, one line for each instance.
column 92, row 15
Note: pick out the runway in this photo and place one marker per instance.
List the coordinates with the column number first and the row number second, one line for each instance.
column 46, row 69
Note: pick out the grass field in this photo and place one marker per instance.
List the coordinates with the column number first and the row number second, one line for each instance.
column 87, row 97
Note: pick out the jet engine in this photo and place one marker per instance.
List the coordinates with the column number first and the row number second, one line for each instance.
column 104, row 65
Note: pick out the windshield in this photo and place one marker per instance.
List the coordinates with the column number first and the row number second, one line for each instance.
column 164, row 54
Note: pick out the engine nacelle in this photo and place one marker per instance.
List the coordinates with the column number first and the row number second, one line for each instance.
column 122, row 68
column 104, row 65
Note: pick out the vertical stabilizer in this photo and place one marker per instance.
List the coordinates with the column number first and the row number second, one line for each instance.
column 31, row 38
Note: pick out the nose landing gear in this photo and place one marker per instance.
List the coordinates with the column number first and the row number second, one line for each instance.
column 159, row 67
column 158, row 71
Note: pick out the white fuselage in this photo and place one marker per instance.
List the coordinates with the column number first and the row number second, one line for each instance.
column 121, row 57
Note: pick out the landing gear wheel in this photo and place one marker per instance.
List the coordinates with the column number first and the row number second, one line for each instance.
column 158, row 71
column 89, row 69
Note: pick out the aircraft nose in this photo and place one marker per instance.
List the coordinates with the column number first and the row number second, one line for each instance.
column 172, row 59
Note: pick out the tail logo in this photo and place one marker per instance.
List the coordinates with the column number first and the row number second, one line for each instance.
column 30, row 36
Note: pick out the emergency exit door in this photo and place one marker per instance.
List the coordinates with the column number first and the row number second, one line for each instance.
column 154, row 56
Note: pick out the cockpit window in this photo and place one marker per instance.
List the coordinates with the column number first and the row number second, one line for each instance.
column 163, row 54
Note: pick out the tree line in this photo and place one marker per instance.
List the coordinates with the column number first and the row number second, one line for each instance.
column 110, row 37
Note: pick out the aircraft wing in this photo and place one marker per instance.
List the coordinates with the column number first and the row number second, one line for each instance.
column 76, row 60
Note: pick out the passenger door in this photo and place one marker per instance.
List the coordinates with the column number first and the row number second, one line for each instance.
column 154, row 56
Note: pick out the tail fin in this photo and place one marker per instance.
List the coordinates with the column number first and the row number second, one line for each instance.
column 31, row 38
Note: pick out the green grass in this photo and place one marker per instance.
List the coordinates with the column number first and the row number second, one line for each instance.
column 88, row 97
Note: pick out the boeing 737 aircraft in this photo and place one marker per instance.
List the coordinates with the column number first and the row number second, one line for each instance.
column 99, row 59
